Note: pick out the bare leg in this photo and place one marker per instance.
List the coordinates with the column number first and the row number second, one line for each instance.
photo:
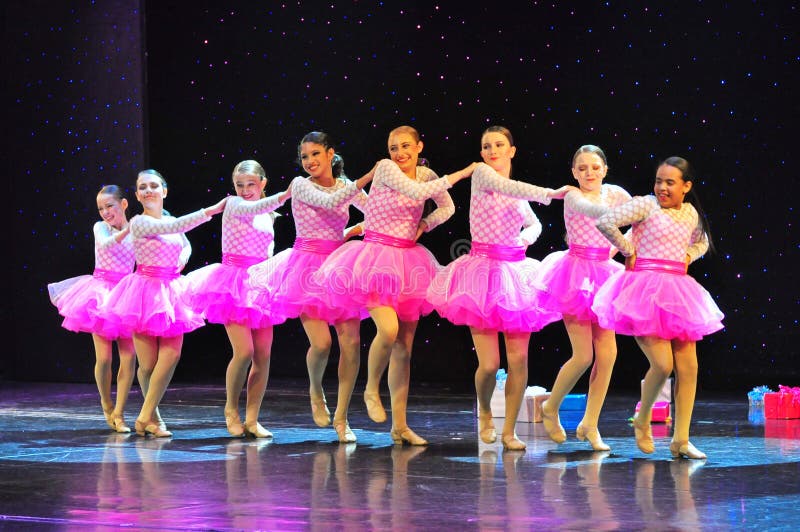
column 399, row 382
column 517, row 355
column 380, row 351
column 659, row 353
column 487, row 349
column 127, row 370
column 319, row 338
column 685, row 353
column 102, row 374
column 259, row 374
column 348, row 333
column 168, row 355
column 241, row 340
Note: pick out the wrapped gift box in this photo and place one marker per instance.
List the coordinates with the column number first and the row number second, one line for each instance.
column 661, row 412
column 498, row 403
column 784, row 404
column 665, row 395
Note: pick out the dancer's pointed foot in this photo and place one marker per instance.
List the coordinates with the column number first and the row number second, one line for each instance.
column 320, row 412
column 234, row 423
column 644, row 436
column 486, row 429
column 552, row 424
column 584, row 432
column 374, row 407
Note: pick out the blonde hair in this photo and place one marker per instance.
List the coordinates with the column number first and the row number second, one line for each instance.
column 251, row 167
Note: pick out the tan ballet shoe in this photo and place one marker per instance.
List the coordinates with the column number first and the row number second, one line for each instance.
column 320, row 412
column 343, row 431
column 552, row 425
column 256, row 430
column 486, row 429
column 644, row 436
column 406, row 435
column 119, row 425
column 234, row 424
column 151, row 427
column 593, row 435
column 686, row 450
column 375, row 409
column 512, row 443
column 109, row 415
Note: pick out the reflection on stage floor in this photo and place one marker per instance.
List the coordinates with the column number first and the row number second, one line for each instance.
column 62, row 468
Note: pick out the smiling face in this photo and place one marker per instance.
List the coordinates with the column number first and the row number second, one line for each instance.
column 497, row 152
column 404, row 150
column 670, row 187
column 112, row 210
column 589, row 169
column 150, row 192
column 249, row 186
column 316, row 160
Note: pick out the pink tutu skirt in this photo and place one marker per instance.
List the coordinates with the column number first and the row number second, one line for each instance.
column 79, row 300
column 657, row 299
column 488, row 290
column 568, row 280
column 379, row 271
column 220, row 293
column 152, row 301
column 286, row 282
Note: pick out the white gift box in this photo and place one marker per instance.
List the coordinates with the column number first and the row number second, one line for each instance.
column 498, row 403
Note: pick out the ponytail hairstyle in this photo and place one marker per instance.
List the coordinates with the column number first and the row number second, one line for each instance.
column 688, row 174
column 507, row 134
column 323, row 139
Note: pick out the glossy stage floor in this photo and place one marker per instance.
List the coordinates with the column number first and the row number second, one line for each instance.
column 61, row 468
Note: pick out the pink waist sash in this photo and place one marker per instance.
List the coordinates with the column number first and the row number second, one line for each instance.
column 498, row 251
column 659, row 265
column 239, row 261
column 316, row 245
column 589, row 253
column 108, row 275
column 159, row 272
column 388, row 240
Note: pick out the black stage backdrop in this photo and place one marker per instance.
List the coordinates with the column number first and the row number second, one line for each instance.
column 97, row 90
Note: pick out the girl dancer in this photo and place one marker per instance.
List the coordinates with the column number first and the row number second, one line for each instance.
column 219, row 292
column 320, row 206
column 567, row 283
column 79, row 298
column 491, row 289
column 654, row 299
column 388, row 272
column 148, row 302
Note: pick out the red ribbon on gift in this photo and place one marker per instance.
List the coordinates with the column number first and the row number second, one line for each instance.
column 794, row 391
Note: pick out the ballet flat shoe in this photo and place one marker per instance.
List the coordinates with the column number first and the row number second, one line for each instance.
column 143, row 428
column 686, row 450
column 119, row 425
column 486, row 429
column 593, row 435
column 644, row 436
column 343, row 431
column 552, row 425
column 406, row 435
column 109, row 415
column 256, row 430
column 234, row 424
column 375, row 409
column 512, row 443
column 320, row 412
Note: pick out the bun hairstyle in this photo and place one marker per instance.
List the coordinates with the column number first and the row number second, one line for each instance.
column 590, row 148
column 150, row 171
column 115, row 191
column 251, row 167
column 324, row 140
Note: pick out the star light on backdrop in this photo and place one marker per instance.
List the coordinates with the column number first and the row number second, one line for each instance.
column 220, row 84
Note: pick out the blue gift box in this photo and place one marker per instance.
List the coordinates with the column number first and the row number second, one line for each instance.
column 573, row 402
